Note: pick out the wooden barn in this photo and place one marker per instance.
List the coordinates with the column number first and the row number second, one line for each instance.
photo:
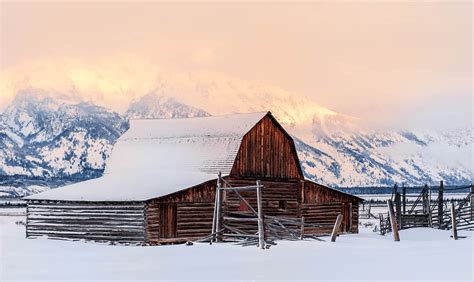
column 160, row 184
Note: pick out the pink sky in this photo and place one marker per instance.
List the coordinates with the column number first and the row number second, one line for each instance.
column 400, row 62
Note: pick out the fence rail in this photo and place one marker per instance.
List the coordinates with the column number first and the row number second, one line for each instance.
column 428, row 212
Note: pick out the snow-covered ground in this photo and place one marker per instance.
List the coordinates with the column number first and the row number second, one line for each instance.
column 422, row 254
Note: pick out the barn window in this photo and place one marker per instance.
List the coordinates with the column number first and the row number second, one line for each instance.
column 243, row 206
column 282, row 205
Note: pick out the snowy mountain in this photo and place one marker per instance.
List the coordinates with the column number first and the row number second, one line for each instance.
column 385, row 158
column 45, row 137
column 50, row 135
column 154, row 105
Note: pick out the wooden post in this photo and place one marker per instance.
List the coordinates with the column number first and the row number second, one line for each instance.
column 453, row 220
column 261, row 230
column 440, row 205
column 27, row 217
column 430, row 219
column 350, row 217
column 404, row 199
column 214, row 218
column 219, row 208
column 395, row 189
column 472, row 202
column 302, row 228
column 393, row 221
column 336, row 227
column 398, row 209
column 426, row 205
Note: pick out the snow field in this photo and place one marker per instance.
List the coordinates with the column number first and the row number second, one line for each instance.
column 422, row 254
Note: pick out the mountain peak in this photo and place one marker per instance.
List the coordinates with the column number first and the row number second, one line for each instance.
column 154, row 105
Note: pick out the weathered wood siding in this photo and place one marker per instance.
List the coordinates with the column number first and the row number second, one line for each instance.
column 267, row 151
column 97, row 221
column 194, row 220
column 321, row 213
column 279, row 198
column 321, row 205
column 193, row 216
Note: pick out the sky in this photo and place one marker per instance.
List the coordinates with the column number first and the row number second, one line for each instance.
column 399, row 63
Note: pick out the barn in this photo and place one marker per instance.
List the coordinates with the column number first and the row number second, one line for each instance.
column 160, row 184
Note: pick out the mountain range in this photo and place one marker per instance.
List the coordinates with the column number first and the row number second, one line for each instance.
column 57, row 139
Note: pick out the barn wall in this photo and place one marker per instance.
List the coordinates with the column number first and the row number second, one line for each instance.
column 279, row 198
column 98, row 221
column 192, row 217
column 274, row 194
column 267, row 152
column 321, row 205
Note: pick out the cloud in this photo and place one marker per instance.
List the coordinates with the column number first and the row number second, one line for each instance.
column 117, row 81
column 203, row 56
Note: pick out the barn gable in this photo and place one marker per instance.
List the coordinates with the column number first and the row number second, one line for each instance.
column 267, row 151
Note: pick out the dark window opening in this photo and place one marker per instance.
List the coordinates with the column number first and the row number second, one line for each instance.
column 282, row 205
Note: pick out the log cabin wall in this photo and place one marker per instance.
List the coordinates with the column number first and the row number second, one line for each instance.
column 279, row 198
column 97, row 221
column 186, row 214
column 321, row 205
column 267, row 151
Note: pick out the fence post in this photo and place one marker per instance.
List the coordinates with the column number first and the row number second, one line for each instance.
column 336, row 227
column 395, row 189
column 261, row 230
column 404, row 191
column 440, row 205
column 302, row 228
column 453, row 220
column 398, row 210
column 219, row 207
column 430, row 219
column 472, row 202
column 393, row 221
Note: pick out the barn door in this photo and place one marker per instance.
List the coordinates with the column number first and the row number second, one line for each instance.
column 346, row 217
column 168, row 215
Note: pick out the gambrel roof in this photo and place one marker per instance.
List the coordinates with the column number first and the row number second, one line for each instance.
column 156, row 157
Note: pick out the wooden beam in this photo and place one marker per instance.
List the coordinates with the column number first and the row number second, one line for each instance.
column 239, row 188
column 219, row 207
column 398, row 210
column 302, row 228
column 393, row 221
column 336, row 227
column 214, row 218
column 453, row 220
column 404, row 198
column 440, row 205
column 261, row 230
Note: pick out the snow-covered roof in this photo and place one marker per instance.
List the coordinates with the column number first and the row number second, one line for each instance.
column 156, row 157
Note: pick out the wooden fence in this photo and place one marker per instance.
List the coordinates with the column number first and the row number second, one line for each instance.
column 424, row 211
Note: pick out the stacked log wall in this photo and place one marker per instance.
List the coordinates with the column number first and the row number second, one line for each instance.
column 274, row 193
column 194, row 212
column 322, row 205
column 97, row 221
